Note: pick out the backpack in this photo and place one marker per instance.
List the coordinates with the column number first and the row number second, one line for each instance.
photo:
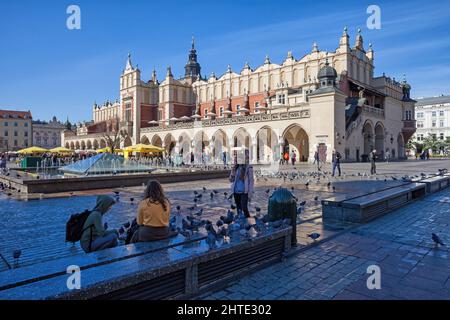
column 74, row 227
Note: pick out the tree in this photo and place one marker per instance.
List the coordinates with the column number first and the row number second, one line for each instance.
column 431, row 142
column 113, row 135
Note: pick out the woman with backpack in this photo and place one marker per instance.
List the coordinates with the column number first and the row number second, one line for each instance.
column 153, row 215
column 94, row 236
column 242, row 184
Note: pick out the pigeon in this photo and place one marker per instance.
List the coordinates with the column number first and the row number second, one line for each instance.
column 233, row 207
column 329, row 184
column 307, row 184
column 211, row 195
column 116, row 193
column 192, row 208
column 215, row 191
column 195, row 192
column 131, row 199
column 204, row 189
column 121, row 230
column 436, row 239
column 302, row 203
column 258, row 209
column 299, row 210
column 126, row 225
column 316, row 198
column 314, row 236
column 16, row 256
column 178, row 208
column 199, row 213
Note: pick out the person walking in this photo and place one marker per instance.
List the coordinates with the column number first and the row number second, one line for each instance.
column 336, row 159
column 242, row 184
column 387, row 156
column 373, row 158
column 317, row 159
column 95, row 236
column 293, row 157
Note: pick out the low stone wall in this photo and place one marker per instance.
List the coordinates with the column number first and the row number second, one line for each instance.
column 176, row 268
column 55, row 185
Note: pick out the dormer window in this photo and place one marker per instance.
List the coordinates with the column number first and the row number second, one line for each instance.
column 281, row 99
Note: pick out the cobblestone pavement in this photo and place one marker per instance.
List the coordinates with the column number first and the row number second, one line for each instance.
column 412, row 267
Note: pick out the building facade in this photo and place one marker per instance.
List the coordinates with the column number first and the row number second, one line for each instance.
column 433, row 117
column 15, row 130
column 320, row 102
column 47, row 134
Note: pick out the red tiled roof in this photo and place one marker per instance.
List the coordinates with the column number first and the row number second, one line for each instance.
column 15, row 114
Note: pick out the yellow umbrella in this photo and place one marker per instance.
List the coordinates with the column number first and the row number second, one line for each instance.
column 108, row 149
column 32, row 150
column 144, row 148
column 60, row 150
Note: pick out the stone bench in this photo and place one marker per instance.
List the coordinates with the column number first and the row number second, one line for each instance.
column 179, row 268
column 436, row 183
column 364, row 208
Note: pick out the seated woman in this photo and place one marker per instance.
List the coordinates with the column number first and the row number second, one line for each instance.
column 94, row 236
column 153, row 215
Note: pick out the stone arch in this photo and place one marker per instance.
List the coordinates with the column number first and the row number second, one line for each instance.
column 219, row 147
column 144, row 140
column 201, row 146
column 157, row 141
column 368, row 135
column 242, row 141
column 72, row 145
column 184, row 147
column 379, row 139
column 67, row 145
column 296, row 139
column 77, row 145
column 89, row 145
column 96, row 145
column 268, row 147
column 169, row 143
column 127, row 142
column 102, row 143
column 83, row 145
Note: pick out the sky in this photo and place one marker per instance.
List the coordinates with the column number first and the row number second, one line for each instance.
column 51, row 70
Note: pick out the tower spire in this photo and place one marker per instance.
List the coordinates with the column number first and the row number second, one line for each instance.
column 193, row 43
column 129, row 64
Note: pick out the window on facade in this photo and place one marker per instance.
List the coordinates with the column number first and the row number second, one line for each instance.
column 205, row 113
column 15, row 143
column 419, row 115
column 26, row 124
column 441, row 123
column 15, row 124
column 6, row 124
column 419, row 124
column 433, row 113
column 408, row 115
column 25, row 133
column 128, row 112
column 25, row 143
column 6, row 133
column 419, row 137
column 441, row 136
column 15, row 134
column 281, row 99
column 441, row 113
column 433, row 123
column 238, row 107
column 221, row 111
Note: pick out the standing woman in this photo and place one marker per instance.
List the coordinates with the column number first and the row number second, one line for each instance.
column 153, row 215
column 242, row 184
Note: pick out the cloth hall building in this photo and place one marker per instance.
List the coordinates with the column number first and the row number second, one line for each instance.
column 321, row 102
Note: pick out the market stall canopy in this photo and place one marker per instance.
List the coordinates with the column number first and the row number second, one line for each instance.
column 60, row 150
column 108, row 149
column 32, row 150
column 144, row 148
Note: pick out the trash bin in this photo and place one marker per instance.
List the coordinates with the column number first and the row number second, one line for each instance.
column 282, row 205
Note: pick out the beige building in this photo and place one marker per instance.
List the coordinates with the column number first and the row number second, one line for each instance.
column 47, row 134
column 15, row 130
column 321, row 101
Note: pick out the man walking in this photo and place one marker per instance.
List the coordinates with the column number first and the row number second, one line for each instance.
column 373, row 158
column 317, row 159
column 336, row 159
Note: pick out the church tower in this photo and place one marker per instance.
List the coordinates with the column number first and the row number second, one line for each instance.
column 192, row 68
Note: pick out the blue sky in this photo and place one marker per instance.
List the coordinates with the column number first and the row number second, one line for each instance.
column 55, row 71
